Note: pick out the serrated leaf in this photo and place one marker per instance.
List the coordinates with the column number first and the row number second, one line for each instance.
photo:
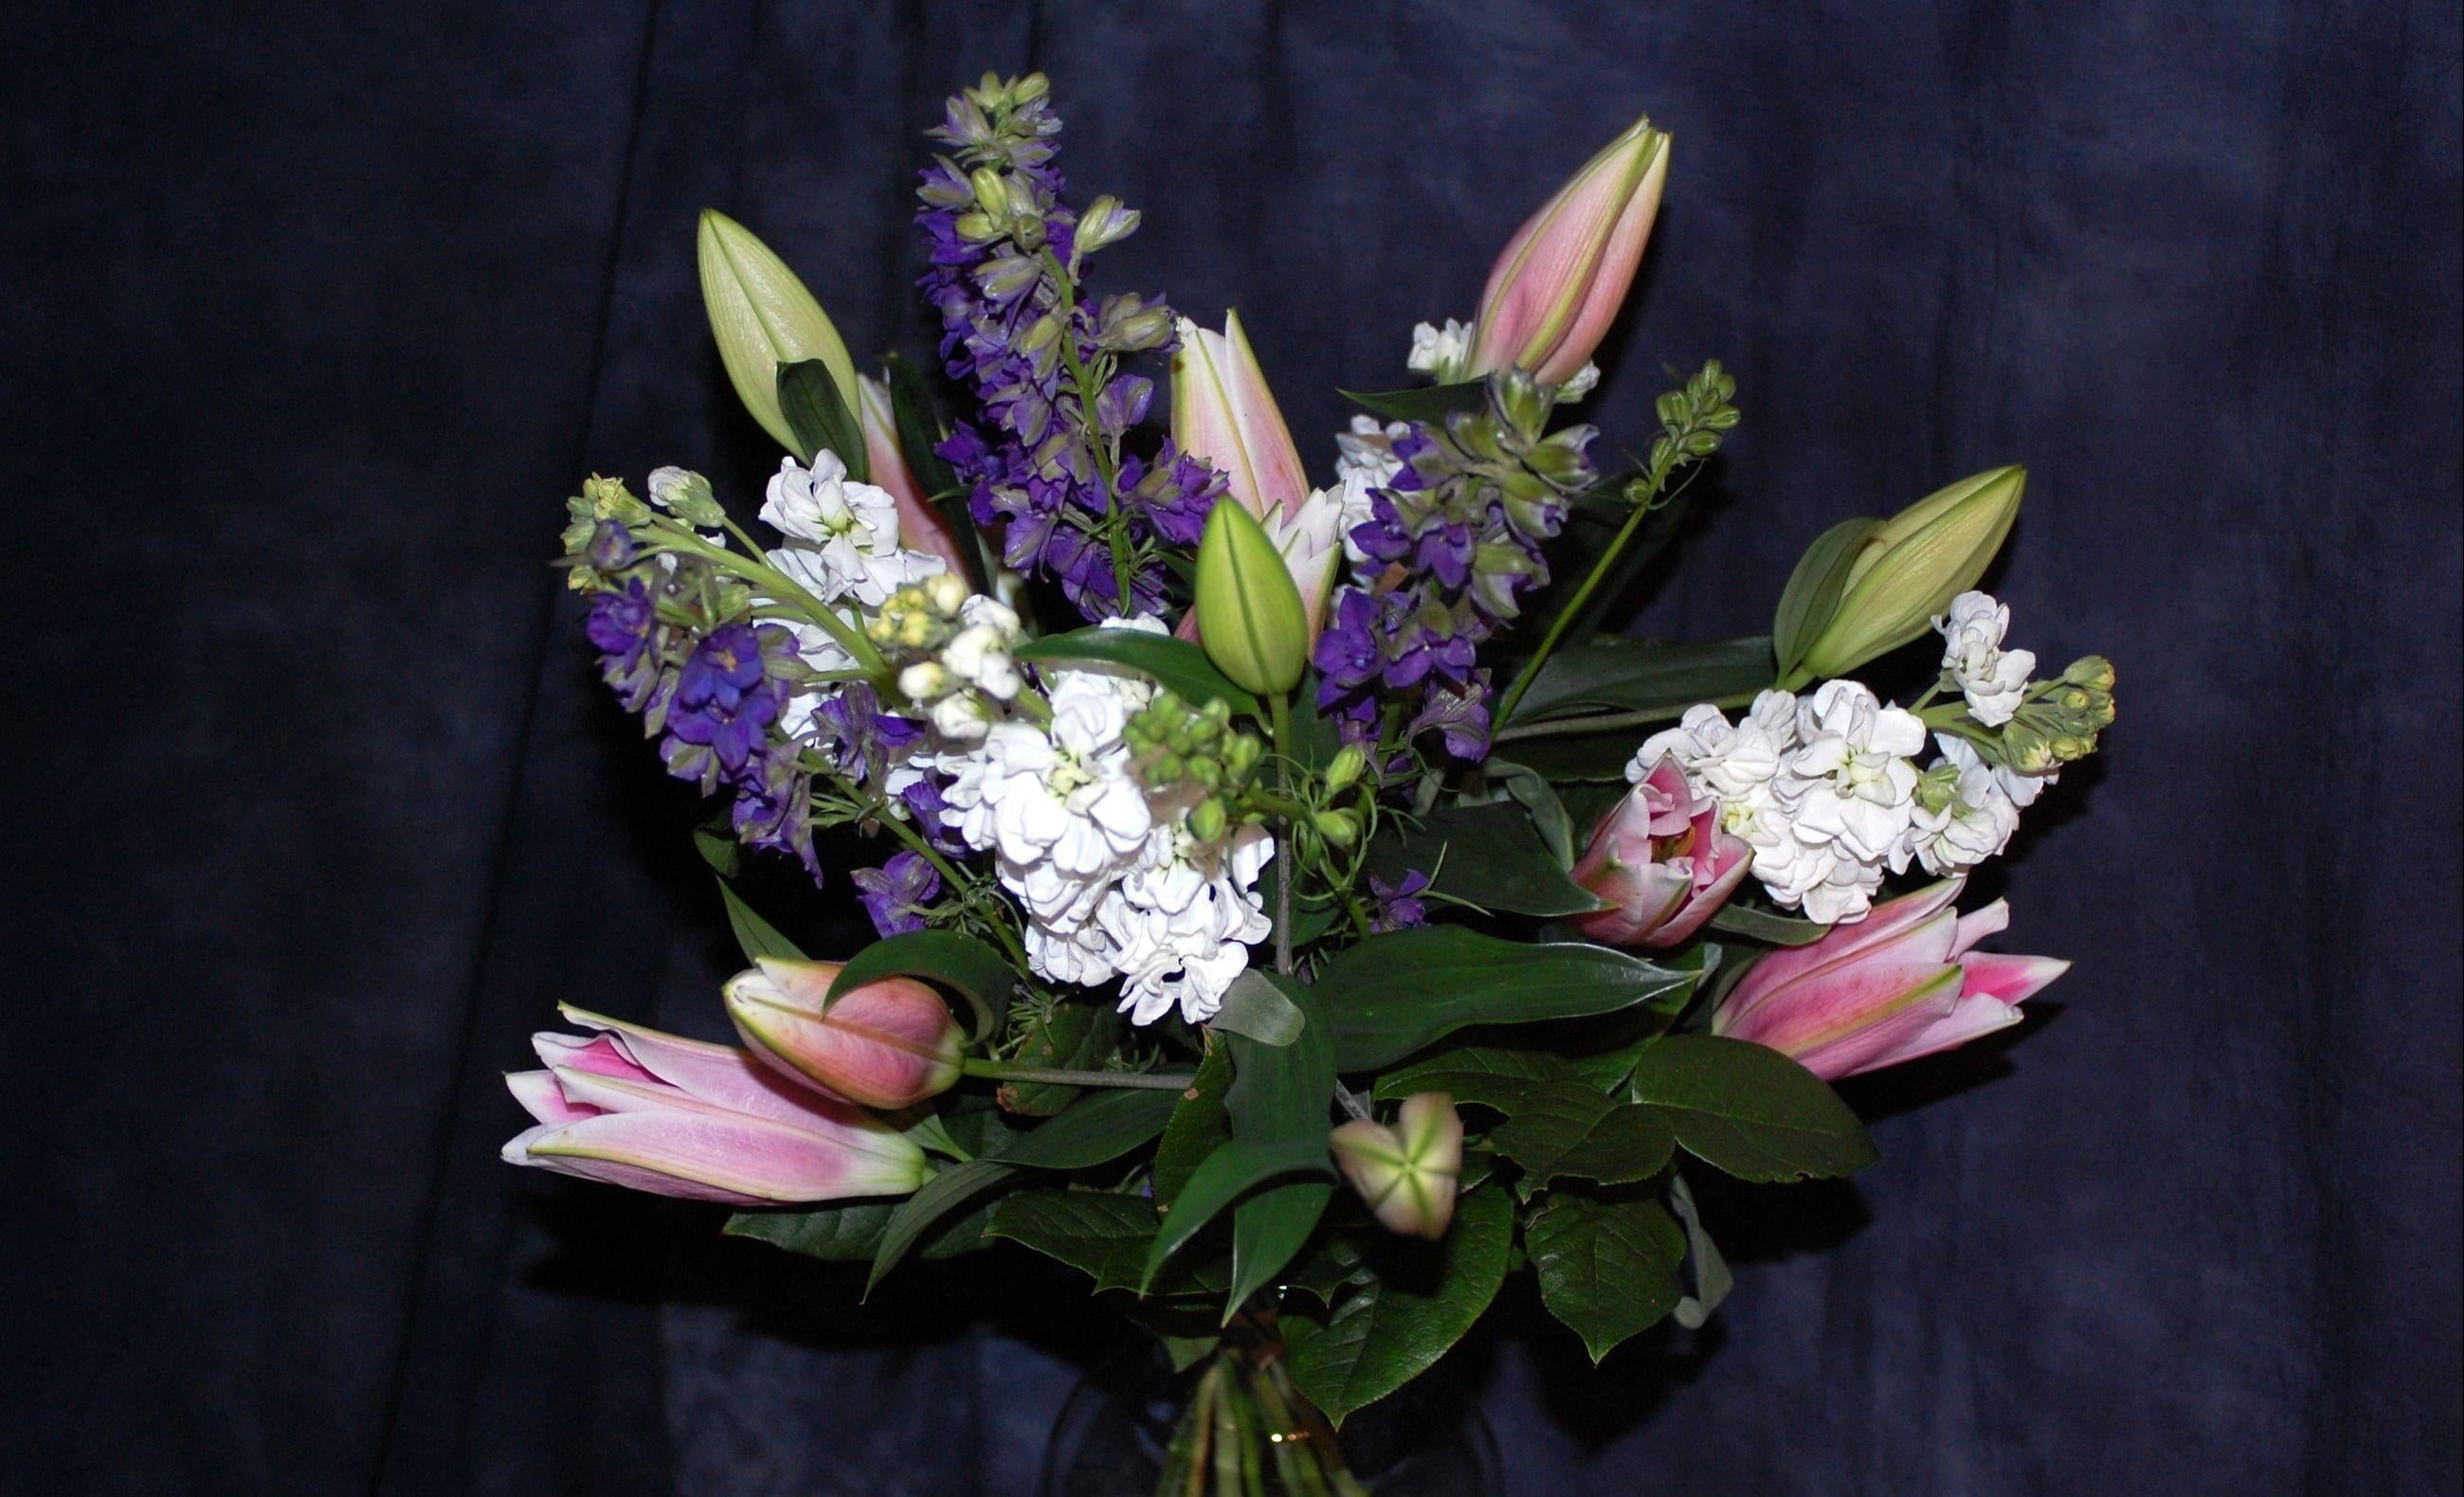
column 1750, row 1112
column 818, row 414
column 1488, row 855
column 1389, row 1330
column 1254, row 1008
column 1198, row 1124
column 979, row 974
column 1100, row 1233
column 1432, row 404
column 1813, row 592
column 757, row 936
column 1607, row 1268
column 1175, row 663
column 1630, row 676
column 1711, row 1277
column 1571, row 1130
column 1761, row 925
column 1232, row 1171
column 1280, row 1094
column 1072, row 1036
column 1398, row 992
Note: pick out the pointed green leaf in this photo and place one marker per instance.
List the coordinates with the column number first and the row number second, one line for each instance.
column 1232, row 1171
column 1487, row 855
column 1069, row 1036
column 1630, row 676
column 1608, row 1268
column 1198, row 1124
column 1762, row 925
column 1750, row 1112
column 1432, row 402
column 1387, row 1331
column 1101, row 1233
column 1398, row 992
column 941, row 1195
column 818, row 414
column 1566, row 1130
column 754, row 935
column 852, row 1232
column 1280, row 1095
column 1096, row 1130
column 1175, row 663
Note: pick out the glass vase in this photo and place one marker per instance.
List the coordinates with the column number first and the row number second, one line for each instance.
column 1233, row 1425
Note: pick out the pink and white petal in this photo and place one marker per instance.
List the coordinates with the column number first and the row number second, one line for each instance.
column 1883, row 1041
column 743, row 1160
column 1811, row 1016
column 1890, row 920
column 1705, row 901
column 595, row 1053
column 722, row 1074
column 539, row 1095
column 2010, row 979
column 1969, row 1019
column 1977, row 924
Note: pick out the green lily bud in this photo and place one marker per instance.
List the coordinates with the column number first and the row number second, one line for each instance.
column 1408, row 1172
column 1346, row 766
column 762, row 317
column 1249, row 614
column 1910, row 568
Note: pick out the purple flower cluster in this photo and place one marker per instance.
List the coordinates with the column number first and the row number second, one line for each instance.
column 1004, row 250
column 899, row 894
column 1458, row 529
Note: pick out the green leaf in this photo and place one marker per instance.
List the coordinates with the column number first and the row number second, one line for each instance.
column 1488, row 855
column 1101, row 1233
column 919, row 433
column 1094, row 1131
column 1750, row 1112
column 1071, row 1036
column 1569, row 1129
column 852, row 1232
column 1254, row 1008
column 1198, row 1123
column 1391, row 1329
column 818, row 414
column 1530, row 790
column 1232, row 1171
column 1280, row 1095
column 1813, row 592
column 756, row 935
column 979, row 974
column 1630, row 676
column 1492, row 1077
column 1762, row 925
column 1175, row 663
column 724, row 854
column 944, row 1193
column 1334, row 1262
column 1608, row 1268
column 1430, row 403
column 1397, row 992
column 1712, row 1279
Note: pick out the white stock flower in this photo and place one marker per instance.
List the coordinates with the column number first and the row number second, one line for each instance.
column 1973, row 820
column 1368, row 450
column 1439, row 351
column 1991, row 678
column 843, row 536
column 1182, row 920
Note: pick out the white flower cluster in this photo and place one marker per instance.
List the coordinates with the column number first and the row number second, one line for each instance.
column 1994, row 679
column 1111, row 888
column 842, row 536
column 1827, row 792
column 1437, row 351
column 1364, row 460
column 973, row 673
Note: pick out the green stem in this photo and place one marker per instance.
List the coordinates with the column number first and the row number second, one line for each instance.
column 1283, row 725
column 788, row 589
column 1563, row 726
column 940, row 864
column 1566, row 615
column 1056, row 1076
column 1115, row 537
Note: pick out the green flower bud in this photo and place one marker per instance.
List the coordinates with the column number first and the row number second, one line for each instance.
column 1249, row 614
column 992, row 192
column 2093, row 671
column 1912, row 568
column 1209, row 819
column 1341, row 828
column 687, row 497
column 1242, row 753
column 1346, row 766
column 762, row 317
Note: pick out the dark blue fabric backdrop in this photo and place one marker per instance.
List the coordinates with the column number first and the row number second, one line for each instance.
column 313, row 314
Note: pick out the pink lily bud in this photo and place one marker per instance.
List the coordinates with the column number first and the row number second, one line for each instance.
column 1407, row 1173
column 1902, row 982
column 888, row 1044
column 673, row 1116
column 922, row 526
column 1661, row 863
column 1222, row 413
column 1562, row 277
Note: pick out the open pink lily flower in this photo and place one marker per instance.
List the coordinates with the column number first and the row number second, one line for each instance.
column 921, row 527
column 888, row 1044
column 673, row 1116
column 1661, row 863
column 1561, row 281
column 1905, row 981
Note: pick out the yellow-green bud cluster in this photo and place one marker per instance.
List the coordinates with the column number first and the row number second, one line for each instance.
column 2060, row 719
column 1179, row 747
column 920, row 616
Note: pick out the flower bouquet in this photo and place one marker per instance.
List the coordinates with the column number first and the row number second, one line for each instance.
column 1296, row 912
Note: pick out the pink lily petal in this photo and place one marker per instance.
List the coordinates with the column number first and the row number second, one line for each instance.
column 715, row 1157
column 722, row 1074
column 1969, row 1019
column 1733, row 858
column 888, row 1044
column 921, row 527
column 1889, row 919
column 2011, row 979
column 543, row 1099
column 1977, row 924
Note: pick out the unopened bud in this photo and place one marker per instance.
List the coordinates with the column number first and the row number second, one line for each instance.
column 763, row 317
column 992, row 192
column 1911, row 566
column 1408, row 1172
column 1342, row 828
column 1249, row 613
column 1346, row 766
column 1208, row 820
